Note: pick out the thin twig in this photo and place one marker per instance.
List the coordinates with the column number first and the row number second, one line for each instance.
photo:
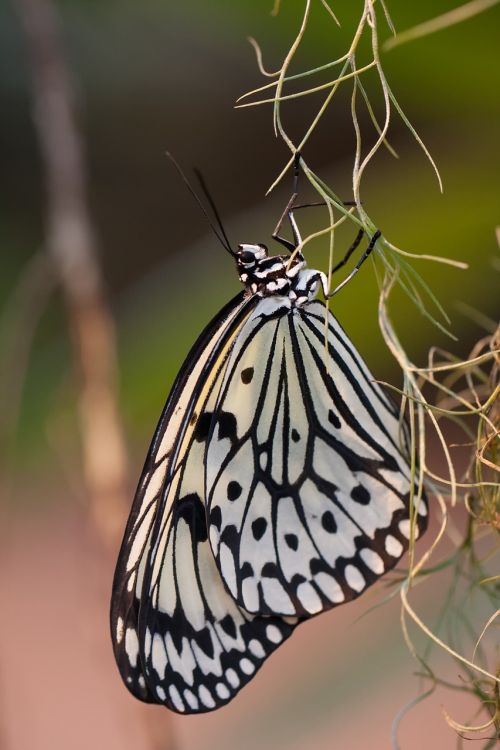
column 71, row 245
column 457, row 15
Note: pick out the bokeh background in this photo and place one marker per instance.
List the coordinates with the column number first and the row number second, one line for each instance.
column 153, row 76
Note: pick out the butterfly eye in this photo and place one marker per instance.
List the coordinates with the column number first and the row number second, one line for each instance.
column 247, row 257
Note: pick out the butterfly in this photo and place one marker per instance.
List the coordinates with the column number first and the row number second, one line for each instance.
column 277, row 486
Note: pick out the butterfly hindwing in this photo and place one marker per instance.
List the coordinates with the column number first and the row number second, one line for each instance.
column 307, row 485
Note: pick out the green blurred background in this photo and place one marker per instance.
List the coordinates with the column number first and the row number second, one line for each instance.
column 158, row 75
column 155, row 76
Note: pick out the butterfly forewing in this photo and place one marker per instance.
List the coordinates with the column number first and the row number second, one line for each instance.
column 180, row 639
column 308, row 485
column 152, row 494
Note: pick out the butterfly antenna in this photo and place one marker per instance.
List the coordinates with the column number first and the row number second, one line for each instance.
column 211, row 202
column 217, row 230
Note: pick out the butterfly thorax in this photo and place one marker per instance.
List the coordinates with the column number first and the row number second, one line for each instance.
column 277, row 275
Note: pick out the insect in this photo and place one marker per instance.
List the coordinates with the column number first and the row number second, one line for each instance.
column 277, row 486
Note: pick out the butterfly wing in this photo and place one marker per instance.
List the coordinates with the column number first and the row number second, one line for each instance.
column 178, row 637
column 128, row 578
column 307, row 484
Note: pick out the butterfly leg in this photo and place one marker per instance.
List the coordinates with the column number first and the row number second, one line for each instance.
column 356, row 268
column 348, row 254
column 288, row 213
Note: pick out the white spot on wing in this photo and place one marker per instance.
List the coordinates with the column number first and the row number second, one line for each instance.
column 250, row 594
column 372, row 560
column 405, row 528
column 232, row 678
column 274, row 634
column 131, row 581
column 330, row 587
column 131, row 646
column 255, row 647
column 354, row 578
column 147, row 640
column 159, row 656
column 309, row 598
column 206, row 697
column 222, row 691
column 421, row 507
column 393, row 547
column 191, row 699
column 176, row 698
column 246, row 666
column 227, row 568
column 120, row 630
column 161, row 693
column 276, row 597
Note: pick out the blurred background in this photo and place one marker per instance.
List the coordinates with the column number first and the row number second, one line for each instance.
column 85, row 371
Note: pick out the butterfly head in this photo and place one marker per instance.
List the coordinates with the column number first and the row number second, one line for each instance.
column 267, row 275
column 248, row 257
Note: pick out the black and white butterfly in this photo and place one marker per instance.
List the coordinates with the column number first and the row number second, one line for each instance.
column 277, row 486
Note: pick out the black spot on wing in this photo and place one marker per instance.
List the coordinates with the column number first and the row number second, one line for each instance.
column 205, row 642
column 317, row 566
column 246, row 570
column 360, row 494
column 270, row 570
column 233, row 490
column 216, row 517
column 259, row 527
column 190, row 509
column 292, row 540
column 203, row 427
column 391, row 463
column 295, row 436
column 247, row 375
column 333, row 419
column 328, row 522
column 230, row 536
column 227, row 426
column 228, row 626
